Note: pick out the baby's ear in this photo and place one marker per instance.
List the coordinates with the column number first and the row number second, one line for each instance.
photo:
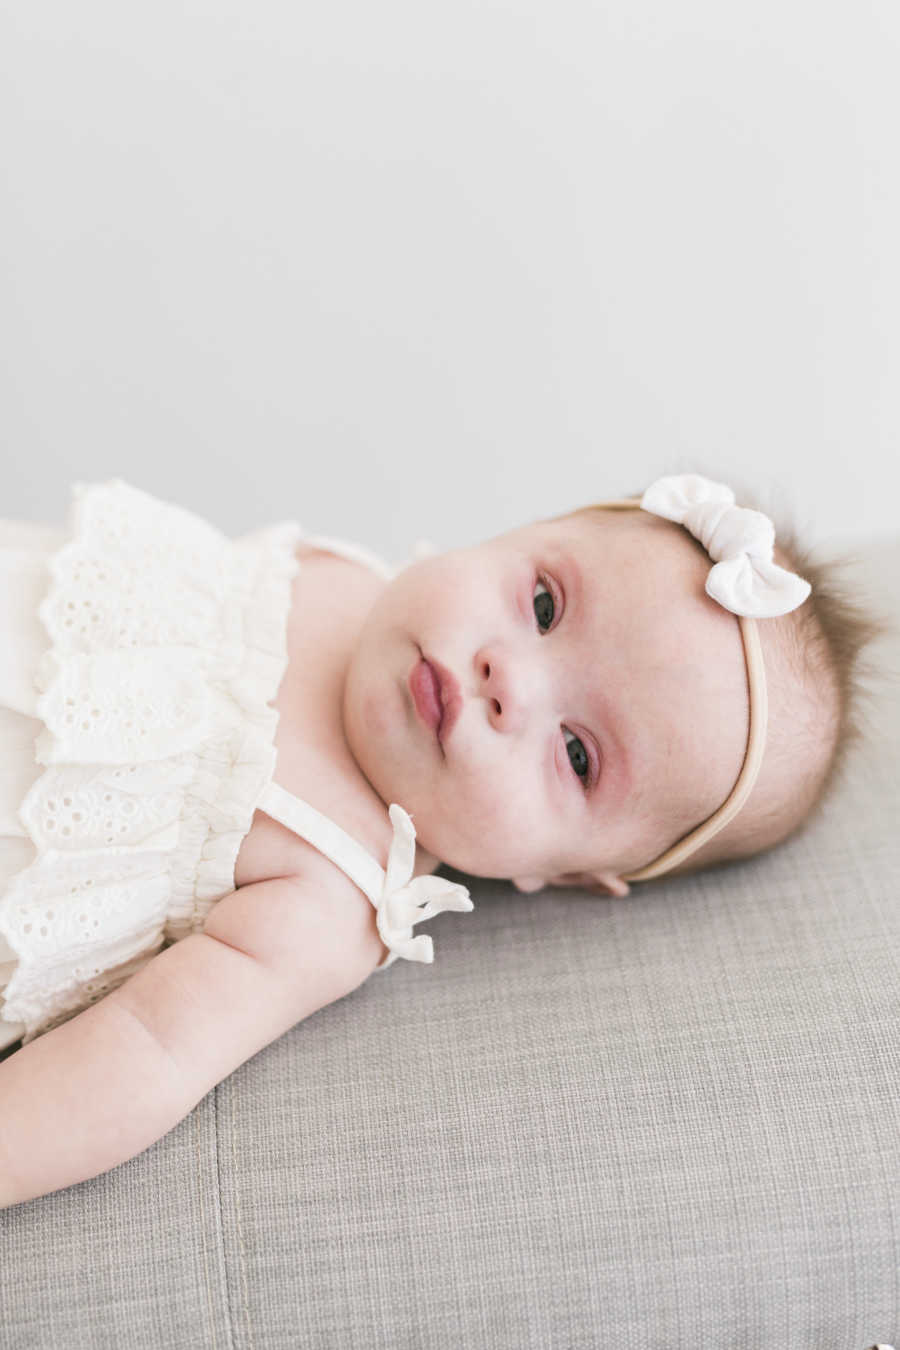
column 598, row 883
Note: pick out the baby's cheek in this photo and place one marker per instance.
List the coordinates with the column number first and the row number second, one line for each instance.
column 485, row 805
column 495, row 834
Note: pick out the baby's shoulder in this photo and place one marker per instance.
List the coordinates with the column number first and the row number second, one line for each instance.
column 332, row 598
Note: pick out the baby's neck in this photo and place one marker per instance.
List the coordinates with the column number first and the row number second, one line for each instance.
column 315, row 761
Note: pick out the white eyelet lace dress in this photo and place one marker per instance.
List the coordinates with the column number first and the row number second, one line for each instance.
column 139, row 651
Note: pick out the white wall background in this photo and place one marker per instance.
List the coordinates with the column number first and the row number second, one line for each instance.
column 413, row 269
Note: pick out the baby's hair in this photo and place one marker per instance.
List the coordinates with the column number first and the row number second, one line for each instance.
column 827, row 640
column 834, row 629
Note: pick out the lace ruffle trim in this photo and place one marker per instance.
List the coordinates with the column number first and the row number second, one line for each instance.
column 167, row 643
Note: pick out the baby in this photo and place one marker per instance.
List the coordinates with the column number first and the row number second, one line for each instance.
column 636, row 688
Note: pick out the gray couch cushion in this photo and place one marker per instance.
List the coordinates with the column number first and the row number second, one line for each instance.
column 664, row 1121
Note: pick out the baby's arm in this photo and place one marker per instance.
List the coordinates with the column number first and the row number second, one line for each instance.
column 107, row 1084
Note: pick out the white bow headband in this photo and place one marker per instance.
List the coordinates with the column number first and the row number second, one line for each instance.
column 744, row 580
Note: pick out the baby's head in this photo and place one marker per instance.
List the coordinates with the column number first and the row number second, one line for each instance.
column 597, row 698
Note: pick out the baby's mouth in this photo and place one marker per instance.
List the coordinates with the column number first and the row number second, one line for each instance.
column 425, row 688
column 436, row 695
column 451, row 699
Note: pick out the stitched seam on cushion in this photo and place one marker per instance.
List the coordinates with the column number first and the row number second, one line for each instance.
column 237, row 1215
column 199, row 1173
column 221, row 1227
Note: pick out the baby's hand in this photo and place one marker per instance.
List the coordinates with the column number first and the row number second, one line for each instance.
column 585, row 881
column 528, row 885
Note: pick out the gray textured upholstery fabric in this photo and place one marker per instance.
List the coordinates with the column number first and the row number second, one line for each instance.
column 661, row 1122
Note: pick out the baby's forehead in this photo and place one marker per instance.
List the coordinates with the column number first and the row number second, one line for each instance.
column 640, row 586
column 627, row 553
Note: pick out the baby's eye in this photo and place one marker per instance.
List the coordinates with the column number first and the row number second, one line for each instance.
column 578, row 756
column 543, row 607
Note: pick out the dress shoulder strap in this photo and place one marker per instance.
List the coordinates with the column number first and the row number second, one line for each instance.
column 355, row 552
column 399, row 899
column 327, row 836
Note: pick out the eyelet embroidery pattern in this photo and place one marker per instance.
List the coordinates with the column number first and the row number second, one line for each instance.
column 167, row 642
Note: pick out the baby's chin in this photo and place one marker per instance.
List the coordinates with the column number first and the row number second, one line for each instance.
column 469, row 855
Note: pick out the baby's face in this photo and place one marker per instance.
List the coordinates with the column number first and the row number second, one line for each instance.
column 603, row 704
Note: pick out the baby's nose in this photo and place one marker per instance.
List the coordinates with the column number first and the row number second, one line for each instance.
column 508, row 685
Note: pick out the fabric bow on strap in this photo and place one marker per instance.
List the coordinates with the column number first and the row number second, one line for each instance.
column 406, row 900
column 745, row 579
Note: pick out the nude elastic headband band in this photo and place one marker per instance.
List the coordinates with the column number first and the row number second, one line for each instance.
column 744, row 580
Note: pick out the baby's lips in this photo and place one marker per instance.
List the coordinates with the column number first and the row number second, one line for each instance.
column 451, row 698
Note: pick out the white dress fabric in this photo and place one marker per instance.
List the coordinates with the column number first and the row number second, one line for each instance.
column 139, row 651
